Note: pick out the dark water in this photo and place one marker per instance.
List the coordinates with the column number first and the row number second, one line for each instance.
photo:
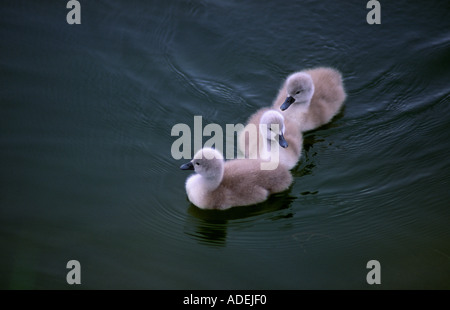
column 86, row 169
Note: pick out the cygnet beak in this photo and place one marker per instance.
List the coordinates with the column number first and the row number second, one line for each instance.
column 289, row 100
column 282, row 141
column 187, row 166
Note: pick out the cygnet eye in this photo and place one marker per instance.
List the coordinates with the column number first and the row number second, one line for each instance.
column 197, row 163
column 298, row 92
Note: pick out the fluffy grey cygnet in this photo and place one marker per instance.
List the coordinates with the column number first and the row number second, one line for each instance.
column 219, row 184
column 311, row 98
column 273, row 138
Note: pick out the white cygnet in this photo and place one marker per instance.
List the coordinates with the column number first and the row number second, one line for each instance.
column 271, row 133
column 219, row 184
column 311, row 98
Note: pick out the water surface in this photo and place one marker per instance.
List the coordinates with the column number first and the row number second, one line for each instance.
column 86, row 171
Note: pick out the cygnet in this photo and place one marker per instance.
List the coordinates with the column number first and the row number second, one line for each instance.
column 271, row 133
column 219, row 184
column 311, row 98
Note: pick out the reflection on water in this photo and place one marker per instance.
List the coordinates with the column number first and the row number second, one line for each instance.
column 208, row 230
column 210, row 226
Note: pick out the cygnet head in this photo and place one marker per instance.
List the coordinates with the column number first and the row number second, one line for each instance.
column 273, row 128
column 300, row 89
column 208, row 163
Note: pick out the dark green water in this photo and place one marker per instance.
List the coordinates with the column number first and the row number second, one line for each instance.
column 87, row 174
